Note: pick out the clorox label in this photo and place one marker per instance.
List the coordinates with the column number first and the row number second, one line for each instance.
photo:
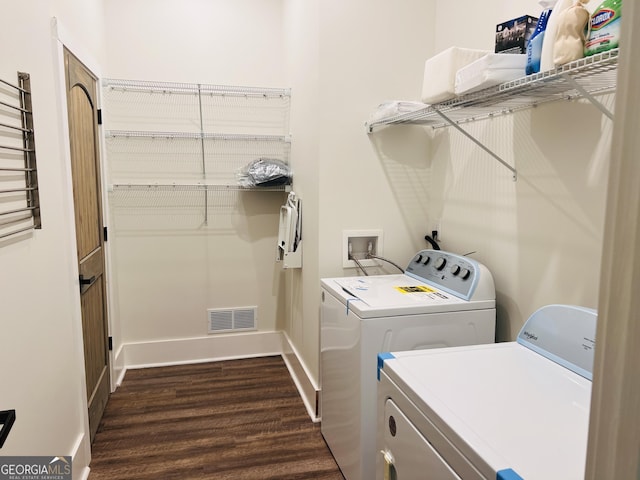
column 602, row 18
column 605, row 28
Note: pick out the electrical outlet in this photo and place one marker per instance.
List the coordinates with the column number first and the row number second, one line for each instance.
column 358, row 243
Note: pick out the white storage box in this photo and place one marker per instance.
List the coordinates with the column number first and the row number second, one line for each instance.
column 440, row 72
column 393, row 108
column 490, row 70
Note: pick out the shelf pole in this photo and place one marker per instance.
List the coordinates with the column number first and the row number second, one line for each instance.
column 587, row 95
column 204, row 163
column 477, row 142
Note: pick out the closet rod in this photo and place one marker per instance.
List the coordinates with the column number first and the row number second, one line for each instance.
column 20, row 89
column 30, row 227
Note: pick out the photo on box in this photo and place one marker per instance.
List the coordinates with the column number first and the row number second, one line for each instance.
column 512, row 36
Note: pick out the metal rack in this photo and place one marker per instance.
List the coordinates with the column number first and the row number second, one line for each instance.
column 165, row 138
column 193, row 88
column 584, row 78
column 190, row 187
column 19, row 196
column 210, row 136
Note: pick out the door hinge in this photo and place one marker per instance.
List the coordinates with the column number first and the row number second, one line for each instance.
column 99, row 116
column 110, row 344
column 105, row 234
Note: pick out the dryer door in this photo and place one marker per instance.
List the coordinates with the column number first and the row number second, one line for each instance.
column 407, row 454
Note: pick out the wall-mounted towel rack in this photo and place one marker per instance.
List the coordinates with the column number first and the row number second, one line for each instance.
column 19, row 195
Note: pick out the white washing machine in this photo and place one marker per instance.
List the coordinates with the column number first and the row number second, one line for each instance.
column 507, row 411
column 442, row 300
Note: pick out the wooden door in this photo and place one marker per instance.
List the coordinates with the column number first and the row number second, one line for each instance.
column 85, row 167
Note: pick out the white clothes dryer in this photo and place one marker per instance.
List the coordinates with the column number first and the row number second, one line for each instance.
column 442, row 300
column 507, row 411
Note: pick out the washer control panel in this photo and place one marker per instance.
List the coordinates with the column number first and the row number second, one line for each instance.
column 450, row 272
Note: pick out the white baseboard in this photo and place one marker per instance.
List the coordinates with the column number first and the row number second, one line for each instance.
column 80, row 458
column 222, row 347
column 118, row 369
column 202, row 349
column 308, row 388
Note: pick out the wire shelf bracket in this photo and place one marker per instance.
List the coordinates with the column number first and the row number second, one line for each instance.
column 478, row 143
column 583, row 78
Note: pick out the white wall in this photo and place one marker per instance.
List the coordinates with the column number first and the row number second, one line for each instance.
column 542, row 235
column 345, row 58
column 301, row 25
column 168, row 270
column 41, row 356
column 206, row 41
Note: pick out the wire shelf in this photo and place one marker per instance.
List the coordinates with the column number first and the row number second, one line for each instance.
column 192, row 187
column 197, row 136
column 193, row 88
column 175, row 149
column 584, row 78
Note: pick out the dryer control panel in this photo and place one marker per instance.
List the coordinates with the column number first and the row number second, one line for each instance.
column 452, row 273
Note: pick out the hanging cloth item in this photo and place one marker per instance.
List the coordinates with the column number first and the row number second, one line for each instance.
column 571, row 34
column 289, row 248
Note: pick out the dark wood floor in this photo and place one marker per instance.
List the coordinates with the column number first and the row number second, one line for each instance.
column 238, row 419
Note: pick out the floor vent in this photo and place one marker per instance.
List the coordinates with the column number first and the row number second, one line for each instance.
column 222, row 320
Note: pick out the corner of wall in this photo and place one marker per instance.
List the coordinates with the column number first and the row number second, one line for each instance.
column 81, row 457
column 309, row 390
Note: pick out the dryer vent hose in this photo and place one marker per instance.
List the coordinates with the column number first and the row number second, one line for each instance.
column 433, row 243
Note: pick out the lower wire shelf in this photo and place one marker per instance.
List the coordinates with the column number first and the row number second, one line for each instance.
column 185, row 187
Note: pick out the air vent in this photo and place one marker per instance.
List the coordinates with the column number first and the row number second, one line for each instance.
column 223, row 320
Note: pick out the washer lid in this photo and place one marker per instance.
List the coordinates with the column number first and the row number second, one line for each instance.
column 395, row 295
column 394, row 290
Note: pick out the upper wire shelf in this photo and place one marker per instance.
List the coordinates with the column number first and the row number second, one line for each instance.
column 193, row 88
column 197, row 136
column 584, row 78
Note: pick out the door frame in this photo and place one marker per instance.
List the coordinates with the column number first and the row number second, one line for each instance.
column 62, row 39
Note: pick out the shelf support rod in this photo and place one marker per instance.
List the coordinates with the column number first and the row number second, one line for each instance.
column 204, row 160
column 587, row 95
column 477, row 142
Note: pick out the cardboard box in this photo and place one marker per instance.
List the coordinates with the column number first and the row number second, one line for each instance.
column 513, row 36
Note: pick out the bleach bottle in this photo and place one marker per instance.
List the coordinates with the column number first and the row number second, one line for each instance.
column 605, row 28
column 534, row 46
column 546, row 61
